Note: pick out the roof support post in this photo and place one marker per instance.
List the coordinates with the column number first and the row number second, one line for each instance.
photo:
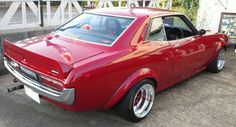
column 169, row 4
column 128, row 3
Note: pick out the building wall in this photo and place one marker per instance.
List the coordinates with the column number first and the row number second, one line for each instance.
column 209, row 13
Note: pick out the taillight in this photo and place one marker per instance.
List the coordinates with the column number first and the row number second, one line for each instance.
column 54, row 84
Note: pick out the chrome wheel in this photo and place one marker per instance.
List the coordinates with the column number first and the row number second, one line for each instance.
column 143, row 100
column 221, row 60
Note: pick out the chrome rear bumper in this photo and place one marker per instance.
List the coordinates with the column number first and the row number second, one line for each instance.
column 66, row 96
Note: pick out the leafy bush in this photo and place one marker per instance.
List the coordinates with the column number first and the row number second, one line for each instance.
column 188, row 7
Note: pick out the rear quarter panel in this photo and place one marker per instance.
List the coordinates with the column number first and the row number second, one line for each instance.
column 111, row 74
column 217, row 42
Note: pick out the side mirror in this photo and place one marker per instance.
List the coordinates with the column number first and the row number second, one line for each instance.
column 201, row 32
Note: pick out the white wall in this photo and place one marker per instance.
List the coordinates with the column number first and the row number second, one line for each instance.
column 209, row 13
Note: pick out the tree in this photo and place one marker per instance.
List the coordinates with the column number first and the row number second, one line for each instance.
column 188, row 7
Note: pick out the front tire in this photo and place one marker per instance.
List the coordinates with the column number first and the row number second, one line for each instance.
column 137, row 103
column 218, row 63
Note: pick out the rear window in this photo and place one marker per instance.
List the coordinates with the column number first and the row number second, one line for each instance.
column 95, row 28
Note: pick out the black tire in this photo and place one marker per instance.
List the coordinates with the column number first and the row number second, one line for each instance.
column 124, row 108
column 213, row 67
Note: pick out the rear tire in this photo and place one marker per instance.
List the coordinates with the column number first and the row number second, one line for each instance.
column 137, row 102
column 218, row 63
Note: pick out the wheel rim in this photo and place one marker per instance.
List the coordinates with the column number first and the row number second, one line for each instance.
column 143, row 100
column 221, row 60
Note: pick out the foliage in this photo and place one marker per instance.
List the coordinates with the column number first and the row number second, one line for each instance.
column 188, row 7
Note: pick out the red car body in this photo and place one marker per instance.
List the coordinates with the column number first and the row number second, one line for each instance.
column 101, row 75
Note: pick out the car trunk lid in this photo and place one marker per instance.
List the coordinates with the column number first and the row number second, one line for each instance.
column 53, row 57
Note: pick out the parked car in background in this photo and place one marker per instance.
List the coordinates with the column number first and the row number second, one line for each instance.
column 117, row 58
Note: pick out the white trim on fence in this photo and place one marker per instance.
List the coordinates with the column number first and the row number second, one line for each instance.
column 67, row 9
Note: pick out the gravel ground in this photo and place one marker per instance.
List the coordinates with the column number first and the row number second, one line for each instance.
column 203, row 100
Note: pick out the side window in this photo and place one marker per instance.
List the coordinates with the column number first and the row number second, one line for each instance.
column 175, row 21
column 156, row 30
column 176, row 28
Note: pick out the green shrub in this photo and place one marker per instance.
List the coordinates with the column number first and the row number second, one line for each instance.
column 188, row 7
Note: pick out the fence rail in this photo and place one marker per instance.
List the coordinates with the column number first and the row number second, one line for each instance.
column 33, row 13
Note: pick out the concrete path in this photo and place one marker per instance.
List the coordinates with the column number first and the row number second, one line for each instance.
column 205, row 100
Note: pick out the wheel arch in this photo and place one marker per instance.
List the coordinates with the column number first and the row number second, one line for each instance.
column 153, row 80
column 134, row 78
column 221, row 43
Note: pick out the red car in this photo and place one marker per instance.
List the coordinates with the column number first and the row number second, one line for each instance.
column 118, row 58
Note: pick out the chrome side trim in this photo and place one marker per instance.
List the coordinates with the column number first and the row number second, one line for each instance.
column 66, row 96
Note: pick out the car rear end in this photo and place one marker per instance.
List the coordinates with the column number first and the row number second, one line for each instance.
column 38, row 73
column 55, row 66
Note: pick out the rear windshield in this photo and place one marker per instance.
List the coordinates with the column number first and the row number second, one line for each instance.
column 100, row 29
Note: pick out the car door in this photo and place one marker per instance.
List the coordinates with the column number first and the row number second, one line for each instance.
column 160, row 51
column 191, row 52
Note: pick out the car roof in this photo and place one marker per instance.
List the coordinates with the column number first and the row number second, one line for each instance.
column 133, row 12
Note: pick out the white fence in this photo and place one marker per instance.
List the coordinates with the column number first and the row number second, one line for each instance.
column 34, row 13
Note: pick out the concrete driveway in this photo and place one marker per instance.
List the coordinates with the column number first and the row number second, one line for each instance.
column 203, row 100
